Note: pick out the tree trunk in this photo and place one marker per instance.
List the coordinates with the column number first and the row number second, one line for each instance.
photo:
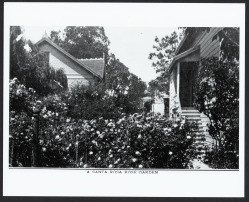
column 12, row 153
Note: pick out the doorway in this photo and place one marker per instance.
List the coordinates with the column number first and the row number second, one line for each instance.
column 188, row 75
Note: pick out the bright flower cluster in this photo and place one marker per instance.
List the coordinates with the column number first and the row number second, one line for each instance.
column 132, row 141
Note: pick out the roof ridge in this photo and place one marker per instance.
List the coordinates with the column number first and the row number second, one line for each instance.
column 68, row 54
column 90, row 58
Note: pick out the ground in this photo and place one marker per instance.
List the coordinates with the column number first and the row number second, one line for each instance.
column 198, row 164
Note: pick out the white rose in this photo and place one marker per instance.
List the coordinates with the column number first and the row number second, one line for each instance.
column 134, row 159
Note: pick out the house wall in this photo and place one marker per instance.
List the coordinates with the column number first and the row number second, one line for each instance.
column 208, row 47
column 173, row 102
column 74, row 72
column 158, row 108
column 172, row 91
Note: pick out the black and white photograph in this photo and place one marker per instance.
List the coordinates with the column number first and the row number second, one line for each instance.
column 107, row 93
column 75, row 104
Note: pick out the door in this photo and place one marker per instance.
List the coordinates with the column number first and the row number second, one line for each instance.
column 188, row 72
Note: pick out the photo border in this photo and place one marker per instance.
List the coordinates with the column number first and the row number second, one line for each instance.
column 134, row 198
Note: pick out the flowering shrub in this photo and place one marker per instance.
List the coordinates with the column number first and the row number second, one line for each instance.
column 22, row 102
column 21, row 98
column 128, row 141
column 20, row 137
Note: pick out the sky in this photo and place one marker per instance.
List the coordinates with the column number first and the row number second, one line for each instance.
column 131, row 45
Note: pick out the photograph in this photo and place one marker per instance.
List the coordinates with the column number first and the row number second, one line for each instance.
column 124, row 100
column 124, row 97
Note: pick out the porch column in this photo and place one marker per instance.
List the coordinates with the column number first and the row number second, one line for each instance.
column 178, row 80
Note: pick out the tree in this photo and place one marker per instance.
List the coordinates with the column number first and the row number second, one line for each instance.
column 127, row 88
column 217, row 96
column 31, row 67
column 82, row 42
column 91, row 42
column 164, row 52
column 158, row 84
column 229, row 43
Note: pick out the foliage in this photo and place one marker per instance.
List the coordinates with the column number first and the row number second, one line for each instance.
column 89, row 102
column 125, row 87
column 217, row 95
column 82, row 42
column 229, row 43
column 94, row 101
column 131, row 141
column 157, row 85
column 148, row 106
column 31, row 67
column 164, row 52
column 90, row 42
column 22, row 101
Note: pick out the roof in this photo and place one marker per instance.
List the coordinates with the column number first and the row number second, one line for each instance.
column 182, row 55
column 96, row 64
column 97, row 71
column 181, row 43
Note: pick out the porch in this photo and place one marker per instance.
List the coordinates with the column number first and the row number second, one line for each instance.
column 183, row 75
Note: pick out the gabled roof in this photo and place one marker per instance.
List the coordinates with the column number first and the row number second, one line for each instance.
column 96, row 64
column 97, row 71
column 181, row 43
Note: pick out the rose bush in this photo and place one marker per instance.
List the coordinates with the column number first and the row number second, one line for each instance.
column 128, row 141
column 22, row 100
column 134, row 141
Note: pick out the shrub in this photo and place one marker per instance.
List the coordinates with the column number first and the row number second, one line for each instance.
column 20, row 138
column 32, row 67
column 89, row 102
column 134, row 141
column 129, row 141
column 217, row 96
column 148, row 106
column 21, row 98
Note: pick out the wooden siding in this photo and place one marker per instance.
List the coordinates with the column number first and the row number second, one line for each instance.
column 74, row 72
column 208, row 47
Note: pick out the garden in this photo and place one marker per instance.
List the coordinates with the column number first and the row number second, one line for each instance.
column 139, row 140
column 103, row 125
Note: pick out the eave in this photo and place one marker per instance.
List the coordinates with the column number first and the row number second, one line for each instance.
column 182, row 55
column 68, row 55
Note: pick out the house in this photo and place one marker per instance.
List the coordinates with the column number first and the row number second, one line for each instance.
column 84, row 71
column 183, row 70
